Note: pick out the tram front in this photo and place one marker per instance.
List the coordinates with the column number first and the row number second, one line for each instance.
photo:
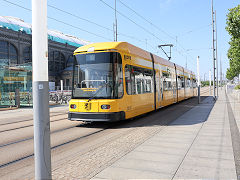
column 97, row 83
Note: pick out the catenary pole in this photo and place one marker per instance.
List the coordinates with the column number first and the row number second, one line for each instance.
column 116, row 20
column 42, row 151
column 216, row 52
column 214, row 73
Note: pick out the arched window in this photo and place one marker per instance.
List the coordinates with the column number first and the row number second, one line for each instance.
column 8, row 53
column 56, row 61
column 27, row 54
column 70, row 61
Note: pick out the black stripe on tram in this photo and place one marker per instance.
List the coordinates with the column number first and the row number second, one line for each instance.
column 154, row 81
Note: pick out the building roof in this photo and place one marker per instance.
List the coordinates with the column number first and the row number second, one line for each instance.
column 17, row 24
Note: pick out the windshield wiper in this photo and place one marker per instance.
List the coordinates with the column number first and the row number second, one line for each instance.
column 99, row 90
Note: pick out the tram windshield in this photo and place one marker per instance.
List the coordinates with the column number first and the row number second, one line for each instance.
column 97, row 76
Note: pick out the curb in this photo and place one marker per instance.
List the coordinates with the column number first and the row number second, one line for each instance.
column 6, row 109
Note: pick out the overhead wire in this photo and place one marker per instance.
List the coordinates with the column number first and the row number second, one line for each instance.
column 194, row 30
column 78, row 17
column 146, row 20
column 131, row 20
column 15, row 4
column 84, row 19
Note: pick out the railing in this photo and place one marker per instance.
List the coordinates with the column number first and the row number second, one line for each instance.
column 60, row 97
column 9, row 98
column 65, row 88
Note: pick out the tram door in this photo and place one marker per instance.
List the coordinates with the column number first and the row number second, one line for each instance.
column 161, row 89
column 158, row 89
column 174, row 88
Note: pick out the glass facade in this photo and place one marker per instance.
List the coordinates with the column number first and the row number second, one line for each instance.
column 56, row 62
column 12, row 78
column 8, row 53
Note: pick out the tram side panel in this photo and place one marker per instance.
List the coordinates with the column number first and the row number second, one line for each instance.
column 139, row 87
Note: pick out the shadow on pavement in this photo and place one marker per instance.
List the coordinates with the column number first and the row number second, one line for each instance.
column 162, row 117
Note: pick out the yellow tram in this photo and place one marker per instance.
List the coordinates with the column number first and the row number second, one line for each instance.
column 114, row 81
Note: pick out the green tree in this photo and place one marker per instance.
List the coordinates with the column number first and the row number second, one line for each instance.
column 233, row 28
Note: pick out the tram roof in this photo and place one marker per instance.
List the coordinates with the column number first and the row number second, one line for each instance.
column 128, row 48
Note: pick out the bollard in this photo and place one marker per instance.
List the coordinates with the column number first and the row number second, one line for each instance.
column 17, row 97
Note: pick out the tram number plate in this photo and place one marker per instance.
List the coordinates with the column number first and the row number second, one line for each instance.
column 87, row 106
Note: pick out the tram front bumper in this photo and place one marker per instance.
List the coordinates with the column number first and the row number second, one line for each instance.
column 86, row 116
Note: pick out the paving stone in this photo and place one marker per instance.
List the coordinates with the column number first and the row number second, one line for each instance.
column 199, row 172
column 127, row 173
column 144, row 165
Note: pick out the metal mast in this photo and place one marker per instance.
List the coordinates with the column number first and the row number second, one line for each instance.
column 115, row 20
column 214, row 54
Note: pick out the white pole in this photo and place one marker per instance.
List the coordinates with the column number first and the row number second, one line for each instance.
column 210, row 82
column 198, row 76
column 42, row 151
column 61, row 82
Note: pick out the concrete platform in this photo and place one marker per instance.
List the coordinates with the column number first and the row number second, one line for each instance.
column 198, row 145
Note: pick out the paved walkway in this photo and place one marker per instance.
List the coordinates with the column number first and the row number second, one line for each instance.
column 198, row 145
column 234, row 98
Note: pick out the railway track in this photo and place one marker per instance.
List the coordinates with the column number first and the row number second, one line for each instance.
column 30, row 124
column 31, row 119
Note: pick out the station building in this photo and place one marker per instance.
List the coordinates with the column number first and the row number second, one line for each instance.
column 16, row 56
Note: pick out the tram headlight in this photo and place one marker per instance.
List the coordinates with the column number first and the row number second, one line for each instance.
column 73, row 106
column 105, row 106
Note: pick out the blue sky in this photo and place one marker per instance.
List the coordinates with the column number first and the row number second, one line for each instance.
column 187, row 21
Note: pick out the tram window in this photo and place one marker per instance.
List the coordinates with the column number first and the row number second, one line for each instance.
column 188, row 84
column 194, row 83
column 170, row 85
column 164, row 85
column 118, row 74
column 148, row 86
column 183, row 82
column 139, row 79
column 179, row 81
column 148, row 76
column 128, row 79
column 167, row 81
